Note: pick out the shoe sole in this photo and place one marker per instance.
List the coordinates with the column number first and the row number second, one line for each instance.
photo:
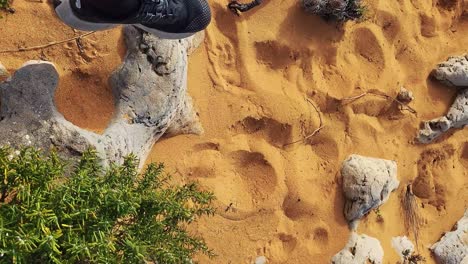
column 66, row 14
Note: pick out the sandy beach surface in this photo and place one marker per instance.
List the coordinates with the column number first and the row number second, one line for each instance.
column 253, row 81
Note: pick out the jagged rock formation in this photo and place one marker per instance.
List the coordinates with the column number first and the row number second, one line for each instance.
column 453, row 72
column 150, row 89
column 453, row 246
column 367, row 183
column 360, row 249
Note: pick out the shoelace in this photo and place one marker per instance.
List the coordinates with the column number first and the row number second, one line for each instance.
column 157, row 10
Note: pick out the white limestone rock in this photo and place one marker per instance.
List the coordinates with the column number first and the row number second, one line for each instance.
column 367, row 184
column 452, row 248
column 453, row 72
column 457, row 117
column 360, row 249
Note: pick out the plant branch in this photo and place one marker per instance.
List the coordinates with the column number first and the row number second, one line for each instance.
column 357, row 97
column 321, row 126
column 53, row 43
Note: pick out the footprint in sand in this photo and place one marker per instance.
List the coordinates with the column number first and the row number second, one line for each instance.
column 244, row 182
column 436, row 175
column 369, row 48
column 327, row 146
column 223, row 44
column 366, row 49
column 318, row 239
column 256, row 172
column 296, row 208
column 280, row 248
column 389, row 23
column 276, row 133
column 275, row 55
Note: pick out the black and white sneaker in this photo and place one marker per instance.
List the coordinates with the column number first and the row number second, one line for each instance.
column 170, row 19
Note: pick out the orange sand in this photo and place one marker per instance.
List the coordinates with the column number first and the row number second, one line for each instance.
column 249, row 82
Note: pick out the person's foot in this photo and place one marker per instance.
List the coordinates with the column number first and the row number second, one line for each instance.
column 172, row 19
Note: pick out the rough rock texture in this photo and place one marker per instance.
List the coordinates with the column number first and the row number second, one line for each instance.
column 457, row 117
column 453, row 246
column 367, row 183
column 360, row 249
column 150, row 89
column 405, row 96
column 453, row 72
column 402, row 244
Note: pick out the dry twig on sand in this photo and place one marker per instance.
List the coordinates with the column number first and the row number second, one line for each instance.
column 321, row 126
column 387, row 97
column 53, row 43
column 410, row 209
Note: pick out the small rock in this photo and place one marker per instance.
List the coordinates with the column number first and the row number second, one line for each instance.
column 367, row 183
column 405, row 96
column 452, row 248
column 401, row 245
column 261, row 260
column 360, row 249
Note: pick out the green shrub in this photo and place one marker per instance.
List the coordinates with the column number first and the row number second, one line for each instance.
column 94, row 215
column 4, row 4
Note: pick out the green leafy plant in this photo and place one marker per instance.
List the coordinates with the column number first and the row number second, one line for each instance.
column 94, row 215
column 4, row 4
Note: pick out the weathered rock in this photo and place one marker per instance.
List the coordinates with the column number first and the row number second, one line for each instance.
column 150, row 89
column 367, row 183
column 457, row 117
column 452, row 248
column 405, row 96
column 27, row 109
column 402, row 246
column 360, row 249
column 453, row 72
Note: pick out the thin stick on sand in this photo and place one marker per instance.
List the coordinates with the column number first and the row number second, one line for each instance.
column 321, row 126
column 390, row 98
column 53, row 43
